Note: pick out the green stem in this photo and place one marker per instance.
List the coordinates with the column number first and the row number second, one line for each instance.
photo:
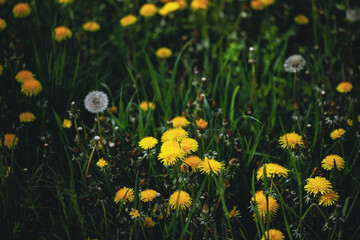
column 88, row 165
column 105, row 218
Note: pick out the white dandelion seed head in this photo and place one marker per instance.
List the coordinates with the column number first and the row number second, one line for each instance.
column 294, row 63
column 96, row 101
column 353, row 15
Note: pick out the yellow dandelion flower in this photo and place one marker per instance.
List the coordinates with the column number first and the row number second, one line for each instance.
column 65, row 2
column 163, row 52
column 189, row 145
column 273, row 234
column 291, row 140
column 27, row 117
column 180, row 200
column 233, row 212
column 337, row 133
column 144, row 105
column 201, row 124
column 350, row 122
column 199, row 4
column 182, row 4
column 124, row 194
column 318, row 185
column 328, row 199
column 148, row 222
column 262, row 205
column 147, row 195
column 330, row 161
column 344, row 87
column 113, row 109
column 169, row 8
column 61, row 33
column 257, row 5
column 148, row 10
column 190, row 161
column 148, row 143
column 180, row 121
column 272, row 169
column 67, row 123
column 101, row 163
column 23, row 75
column 301, row 19
column 134, row 213
column 170, row 153
column 128, row 20
column 91, row 26
column 31, row 87
column 10, row 140
column 211, row 165
column 174, row 134
column 21, row 10
column 258, row 194
column 3, row 24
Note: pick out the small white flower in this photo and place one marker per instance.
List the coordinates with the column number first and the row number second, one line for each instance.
column 96, row 102
column 294, row 63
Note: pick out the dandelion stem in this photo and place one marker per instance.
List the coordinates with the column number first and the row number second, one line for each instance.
column 294, row 89
column 105, row 218
column 98, row 123
column 252, row 83
column 78, row 136
column 88, row 165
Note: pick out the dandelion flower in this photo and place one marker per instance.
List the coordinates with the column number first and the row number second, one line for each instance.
column 350, row 122
column 344, row 87
column 2, row 24
column 262, row 205
column 23, row 75
column 291, row 140
column 148, row 143
column 91, row 26
column 180, row 122
column 65, row 2
column 330, row 161
column 62, row 33
column 318, row 185
column 182, row 4
column 31, row 87
column 128, row 20
column 145, row 105
column 148, row 222
column 337, row 133
column 272, row 169
column 294, row 63
column 170, row 153
column 101, row 163
column 233, row 212
column 148, row 10
column 211, row 165
column 190, row 161
column 96, row 101
column 147, row 195
column 174, row 134
column 301, row 19
column 257, row 5
column 353, row 15
column 67, row 123
column 199, row 4
column 21, row 10
column 168, row 8
column 189, row 145
column 10, row 140
column 124, row 194
column 27, row 117
column 134, row 213
column 163, row 52
column 273, row 234
column 180, row 200
column 258, row 194
column 113, row 110
column 328, row 199
column 201, row 124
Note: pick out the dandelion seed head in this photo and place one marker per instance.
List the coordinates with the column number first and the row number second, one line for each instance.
column 294, row 63
column 96, row 101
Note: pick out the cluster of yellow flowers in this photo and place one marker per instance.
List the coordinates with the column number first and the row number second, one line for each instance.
column 323, row 186
column 29, row 85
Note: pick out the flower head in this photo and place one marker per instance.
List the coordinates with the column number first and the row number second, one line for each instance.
column 189, row 145
column 27, row 117
column 134, row 213
column 163, row 52
column 201, row 124
column 294, row 63
column 23, row 75
column 273, row 234
column 21, row 10
column 124, row 194
column 31, row 87
column 272, row 169
column 190, row 161
column 67, row 123
column 180, row 122
column 330, row 161
column 168, row 8
column 62, row 33
column 101, row 163
column 147, row 195
column 96, row 101
column 148, row 222
column 199, row 4
column 174, row 134
column 182, row 4
column 350, row 122
column 128, row 20
column 148, row 10
column 91, row 26
column 328, row 199
column 144, row 105
column 301, row 19
column 257, row 5
column 344, row 87
column 180, row 200
column 318, row 185
column 337, row 133
column 291, row 140
column 10, row 140
column 211, row 165
column 266, row 206
column 2, row 24
column 233, row 212
column 148, row 143
column 65, row 2
column 170, row 153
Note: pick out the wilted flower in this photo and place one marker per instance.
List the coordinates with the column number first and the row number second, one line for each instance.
column 91, row 26
column 148, row 10
column 62, row 33
column 96, row 101
column 128, row 20
column 21, row 10
column 344, row 87
column 294, row 63
column 27, row 117
column 301, row 19
column 180, row 200
column 2, row 24
column 163, row 52
column 31, row 87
